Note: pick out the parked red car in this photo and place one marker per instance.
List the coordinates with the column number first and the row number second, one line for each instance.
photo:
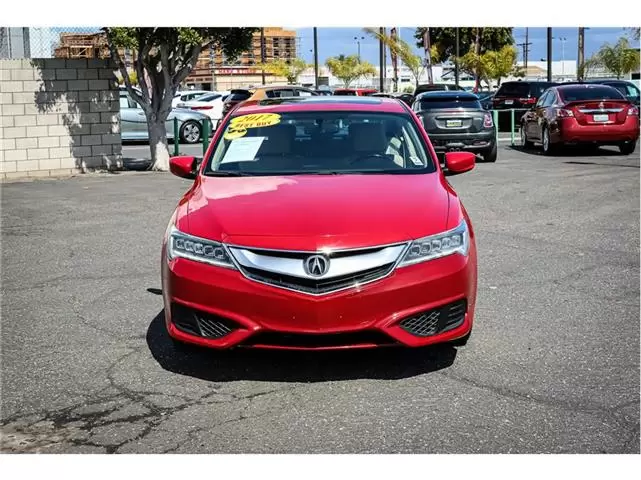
column 319, row 223
column 581, row 114
column 354, row 92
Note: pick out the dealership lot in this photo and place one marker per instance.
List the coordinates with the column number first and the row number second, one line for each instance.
column 552, row 366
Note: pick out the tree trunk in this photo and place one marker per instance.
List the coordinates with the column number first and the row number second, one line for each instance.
column 159, row 146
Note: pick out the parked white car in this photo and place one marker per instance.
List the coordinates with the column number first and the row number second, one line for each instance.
column 186, row 96
column 210, row 104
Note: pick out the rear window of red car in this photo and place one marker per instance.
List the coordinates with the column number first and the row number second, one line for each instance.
column 584, row 92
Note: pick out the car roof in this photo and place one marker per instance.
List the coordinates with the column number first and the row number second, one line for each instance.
column 528, row 82
column 448, row 94
column 323, row 103
column 567, row 86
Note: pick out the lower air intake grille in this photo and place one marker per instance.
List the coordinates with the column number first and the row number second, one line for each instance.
column 300, row 340
column 202, row 324
column 437, row 320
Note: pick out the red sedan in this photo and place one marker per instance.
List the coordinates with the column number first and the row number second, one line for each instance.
column 320, row 223
column 581, row 114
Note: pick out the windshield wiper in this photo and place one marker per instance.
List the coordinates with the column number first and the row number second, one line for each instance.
column 228, row 173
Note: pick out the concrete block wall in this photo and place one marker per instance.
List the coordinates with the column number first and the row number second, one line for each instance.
column 58, row 117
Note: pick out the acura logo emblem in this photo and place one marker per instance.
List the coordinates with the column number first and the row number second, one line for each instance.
column 316, row 265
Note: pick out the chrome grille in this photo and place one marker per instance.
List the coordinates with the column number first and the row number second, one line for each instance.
column 343, row 269
column 317, row 286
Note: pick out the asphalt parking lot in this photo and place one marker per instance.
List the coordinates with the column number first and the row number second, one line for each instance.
column 552, row 366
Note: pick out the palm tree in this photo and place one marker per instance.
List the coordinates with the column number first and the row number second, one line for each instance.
column 620, row 59
column 403, row 50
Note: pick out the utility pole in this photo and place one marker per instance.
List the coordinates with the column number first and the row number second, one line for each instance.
column 381, row 61
column 395, row 35
column 527, row 47
column 428, row 58
column 581, row 56
column 262, row 53
column 316, row 57
column 549, row 59
column 456, row 72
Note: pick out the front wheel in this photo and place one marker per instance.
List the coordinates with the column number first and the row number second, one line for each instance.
column 190, row 131
column 626, row 148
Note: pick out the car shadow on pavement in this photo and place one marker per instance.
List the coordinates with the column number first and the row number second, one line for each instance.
column 294, row 366
column 571, row 151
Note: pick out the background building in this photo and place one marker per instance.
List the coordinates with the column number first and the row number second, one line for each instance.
column 213, row 69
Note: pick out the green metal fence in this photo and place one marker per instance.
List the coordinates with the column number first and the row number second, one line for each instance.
column 204, row 139
column 515, row 121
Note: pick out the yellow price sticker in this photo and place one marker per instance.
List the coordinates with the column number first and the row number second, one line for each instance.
column 238, row 126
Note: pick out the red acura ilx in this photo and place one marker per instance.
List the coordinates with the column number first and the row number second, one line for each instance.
column 320, row 223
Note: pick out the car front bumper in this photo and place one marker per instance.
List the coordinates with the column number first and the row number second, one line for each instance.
column 386, row 312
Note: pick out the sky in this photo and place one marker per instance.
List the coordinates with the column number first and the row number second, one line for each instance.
column 334, row 41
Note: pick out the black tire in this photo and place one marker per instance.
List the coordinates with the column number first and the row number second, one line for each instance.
column 525, row 143
column 626, row 148
column 548, row 147
column 461, row 342
column 491, row 154
column 190, row 131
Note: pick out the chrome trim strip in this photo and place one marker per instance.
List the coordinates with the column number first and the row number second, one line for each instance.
column 406, row 246
column 337, row 266
column 597, row 110
column 323, row 250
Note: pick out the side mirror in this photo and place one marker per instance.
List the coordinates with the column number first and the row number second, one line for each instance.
column 183, row 167
column 459, row 162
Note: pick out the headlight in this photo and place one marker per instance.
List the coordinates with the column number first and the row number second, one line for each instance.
column 198, row 249
column 436, row 246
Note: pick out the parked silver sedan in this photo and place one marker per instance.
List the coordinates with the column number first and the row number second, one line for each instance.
column 133, row 123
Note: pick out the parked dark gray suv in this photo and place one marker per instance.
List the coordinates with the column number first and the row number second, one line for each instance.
column 456, row 121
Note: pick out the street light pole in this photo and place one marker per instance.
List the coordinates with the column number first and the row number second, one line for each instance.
column 358, row 43
column 316, row 57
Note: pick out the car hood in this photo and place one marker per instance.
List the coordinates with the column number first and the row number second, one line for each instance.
column 309, row 212
column 186, row 113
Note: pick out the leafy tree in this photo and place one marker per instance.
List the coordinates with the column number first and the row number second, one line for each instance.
column 501, row 63
column 475, row 65
column 635, row 32
column 620, row 59
column 349, row 68
column 290, row 71
column 444, row 39
column 164, row 58
column 403, row 50
column 133, row 78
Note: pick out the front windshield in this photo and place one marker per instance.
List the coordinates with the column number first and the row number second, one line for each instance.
column 322, row 142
